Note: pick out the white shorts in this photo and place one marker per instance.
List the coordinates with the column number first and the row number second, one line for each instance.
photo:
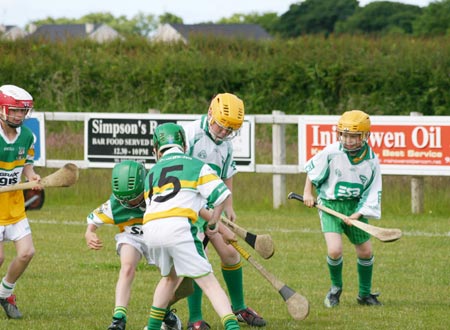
column 173, row 242
column 15, row 231
column 136, row 240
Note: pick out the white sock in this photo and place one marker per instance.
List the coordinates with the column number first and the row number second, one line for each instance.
column 6, row 288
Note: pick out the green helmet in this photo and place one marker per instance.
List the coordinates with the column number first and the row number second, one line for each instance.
column 169, row 135
column 128, row 179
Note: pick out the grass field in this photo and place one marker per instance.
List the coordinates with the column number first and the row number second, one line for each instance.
column 68, row 286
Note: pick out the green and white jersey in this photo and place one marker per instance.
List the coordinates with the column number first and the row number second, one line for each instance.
column 338, row 176
column 113, row 213
column 178, row 185
column 14, row 155
column 200, row 144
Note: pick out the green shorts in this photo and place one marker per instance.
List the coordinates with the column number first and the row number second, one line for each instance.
column 332, row 224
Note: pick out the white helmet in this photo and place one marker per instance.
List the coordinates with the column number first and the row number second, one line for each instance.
column 12, row 100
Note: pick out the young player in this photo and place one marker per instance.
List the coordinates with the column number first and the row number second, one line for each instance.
column 16, row 159
column 125, row 209
column 209, row 139
column 176, row 189
column 347, row 177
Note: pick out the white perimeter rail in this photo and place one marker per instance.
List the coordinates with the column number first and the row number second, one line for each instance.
column 278, row 168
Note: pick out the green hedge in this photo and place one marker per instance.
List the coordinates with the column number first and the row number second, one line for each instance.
column 311, row 75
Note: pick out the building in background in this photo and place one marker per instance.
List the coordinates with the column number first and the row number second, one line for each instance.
column 12, row 32
column 62, row 32
column 182, row 32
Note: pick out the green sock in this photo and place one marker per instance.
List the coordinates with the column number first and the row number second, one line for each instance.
column 233, row 276
column 156, row 318
column 195, row 304
column 230, row 322
column 365, row 269
column 335, row 267
column 120, row 312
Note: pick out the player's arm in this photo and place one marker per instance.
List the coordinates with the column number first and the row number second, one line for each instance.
column 31, row 175
column 92, row 240
column 308, row 197
column 228, row 204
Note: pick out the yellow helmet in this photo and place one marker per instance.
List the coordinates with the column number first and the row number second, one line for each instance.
column 355, row 122
column 227, row 111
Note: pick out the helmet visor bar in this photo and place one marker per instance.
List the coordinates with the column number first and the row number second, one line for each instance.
column 132, row 203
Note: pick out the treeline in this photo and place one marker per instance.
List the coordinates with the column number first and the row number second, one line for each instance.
column 323, row 17
column 392, row 75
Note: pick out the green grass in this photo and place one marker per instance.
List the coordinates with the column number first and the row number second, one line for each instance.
column 68, row 286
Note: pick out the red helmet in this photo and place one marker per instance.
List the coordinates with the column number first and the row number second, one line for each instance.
column 14, row 99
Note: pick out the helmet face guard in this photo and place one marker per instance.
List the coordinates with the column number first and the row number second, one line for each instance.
column 167, row 136
column 225, row 116
column 16, row 105
column 128, row 181
column 354, row 130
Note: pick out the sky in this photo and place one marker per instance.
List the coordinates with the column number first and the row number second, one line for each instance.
column 22, row 12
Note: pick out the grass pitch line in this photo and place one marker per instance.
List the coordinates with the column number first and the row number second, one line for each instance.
column 273, row 230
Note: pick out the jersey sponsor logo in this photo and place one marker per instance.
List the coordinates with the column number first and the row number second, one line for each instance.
column 202, row 154
column 134, row 230
column 348, row 190
column 9, row 178
column 363, row 179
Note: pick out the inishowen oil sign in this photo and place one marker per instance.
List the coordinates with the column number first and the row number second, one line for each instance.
column 404, row 145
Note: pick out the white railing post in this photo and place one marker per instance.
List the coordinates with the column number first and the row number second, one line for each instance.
column 416, row 187
column 278, row 158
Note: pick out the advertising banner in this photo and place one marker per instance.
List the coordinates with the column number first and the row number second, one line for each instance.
column 405, row 145
column 110, row 138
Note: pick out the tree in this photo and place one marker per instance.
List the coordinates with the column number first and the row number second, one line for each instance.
column 267, row 20
column 315, row 17
column 381, row 17
column 435, row 19
column 170, row 18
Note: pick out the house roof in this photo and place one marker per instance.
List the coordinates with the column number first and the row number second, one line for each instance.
column 62, row 32
column 244, row 31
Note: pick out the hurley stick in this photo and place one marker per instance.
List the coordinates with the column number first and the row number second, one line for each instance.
column 383, row 234
column 297, row 305
column 262, row 244
column 64, row 177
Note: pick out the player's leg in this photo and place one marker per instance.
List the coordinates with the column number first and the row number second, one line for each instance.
column 232, row 272
column 161, row 298
column 129, row 258
column 219, row 300
column 20, row 234
column 365, row 270
column 195, row 300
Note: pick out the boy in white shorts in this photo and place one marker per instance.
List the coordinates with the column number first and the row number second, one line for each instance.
column 125, row 209
column 16, row 159
column 175, row 191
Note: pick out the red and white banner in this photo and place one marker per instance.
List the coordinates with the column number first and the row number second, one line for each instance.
column 406, row 145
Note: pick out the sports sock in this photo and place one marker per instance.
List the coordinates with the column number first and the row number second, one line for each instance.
column 365, row 269
column 233, row 276
column 6, row 288
column 120, row 312
column 156, row 318
column 195, row 304
column 335, row 268
column 230, row 322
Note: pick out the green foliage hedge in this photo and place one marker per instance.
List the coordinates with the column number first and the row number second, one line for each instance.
column 311, row 75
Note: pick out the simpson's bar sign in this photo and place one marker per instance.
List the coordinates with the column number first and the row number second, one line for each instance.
column 110, row 138
column 405, row 145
